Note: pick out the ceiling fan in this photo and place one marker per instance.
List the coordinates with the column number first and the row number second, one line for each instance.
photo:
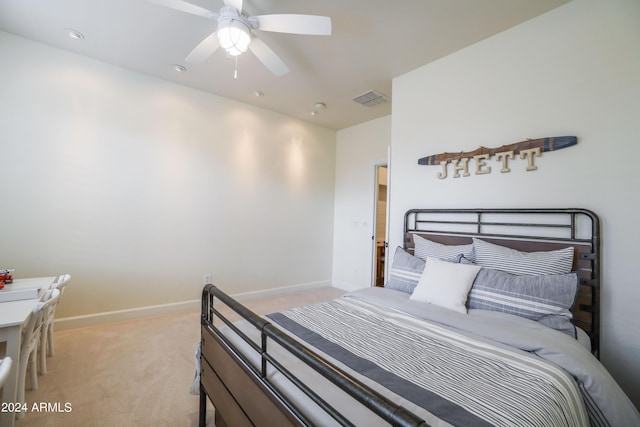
column 235, row 28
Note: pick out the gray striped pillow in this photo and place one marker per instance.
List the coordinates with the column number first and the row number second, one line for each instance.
column 546, row 299
column 405, row 271
column 424, row 248
column 522, row 263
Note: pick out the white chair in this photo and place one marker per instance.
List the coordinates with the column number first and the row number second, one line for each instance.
column 46, row 336
column 30, row 342
column 5, row 367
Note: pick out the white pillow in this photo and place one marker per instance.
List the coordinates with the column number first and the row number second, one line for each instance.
column 445, row 284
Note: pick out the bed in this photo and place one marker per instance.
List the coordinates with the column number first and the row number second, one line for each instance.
column 488, row 317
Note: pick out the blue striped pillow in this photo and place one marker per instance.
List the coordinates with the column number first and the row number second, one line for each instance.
column 424, row 248
column 546, row 299
column 405, row 271
column 522, row 263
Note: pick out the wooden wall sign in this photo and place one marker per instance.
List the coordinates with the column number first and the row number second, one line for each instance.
column 528, row 150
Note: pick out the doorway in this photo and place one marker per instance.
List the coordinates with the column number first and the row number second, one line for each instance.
column 380, row 230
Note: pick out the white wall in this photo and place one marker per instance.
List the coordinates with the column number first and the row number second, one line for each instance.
column 572, row 71
column 358, row 150
column 138, row 187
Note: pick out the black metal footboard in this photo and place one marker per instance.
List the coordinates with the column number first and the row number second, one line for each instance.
column 242, row 405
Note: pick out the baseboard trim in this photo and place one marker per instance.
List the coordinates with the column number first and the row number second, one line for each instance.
column 94, row 319
column 282, row 290
column 346, row 286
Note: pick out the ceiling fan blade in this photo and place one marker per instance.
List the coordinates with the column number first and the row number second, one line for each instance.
column 268, row 57
column 234, row 3
column 204, row 50
column 294, row 24
column 184, row 6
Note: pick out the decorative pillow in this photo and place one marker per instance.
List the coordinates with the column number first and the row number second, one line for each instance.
column 424, row 248
column 445, row 284
column 522, row 263
column 546, row 299
column 405, row 271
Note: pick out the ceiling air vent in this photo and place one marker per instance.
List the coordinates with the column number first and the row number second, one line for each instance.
column 371, row 98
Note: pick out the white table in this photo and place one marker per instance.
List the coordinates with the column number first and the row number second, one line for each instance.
column 13, row 315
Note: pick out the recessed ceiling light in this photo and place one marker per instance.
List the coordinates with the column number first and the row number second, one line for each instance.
column 179, row 68
column 317, row 108
column 74, row 34
column 258, row 93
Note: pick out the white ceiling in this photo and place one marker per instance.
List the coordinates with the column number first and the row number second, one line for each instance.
column 372, row 42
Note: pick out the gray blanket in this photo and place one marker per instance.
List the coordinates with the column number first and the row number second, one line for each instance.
column 480, row 368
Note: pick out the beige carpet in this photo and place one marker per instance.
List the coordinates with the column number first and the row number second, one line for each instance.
column 135, row 373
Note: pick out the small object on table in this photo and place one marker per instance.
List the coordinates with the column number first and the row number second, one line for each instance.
column 5, row 277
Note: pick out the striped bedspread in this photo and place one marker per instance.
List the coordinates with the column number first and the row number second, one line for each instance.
column 454, row 377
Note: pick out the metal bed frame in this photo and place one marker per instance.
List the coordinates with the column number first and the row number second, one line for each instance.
column 277, row 409
column 243, row 394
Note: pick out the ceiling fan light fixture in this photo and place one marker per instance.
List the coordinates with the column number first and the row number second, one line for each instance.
column 234, row 36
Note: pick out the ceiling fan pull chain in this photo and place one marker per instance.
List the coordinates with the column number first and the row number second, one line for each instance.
column 235, row 72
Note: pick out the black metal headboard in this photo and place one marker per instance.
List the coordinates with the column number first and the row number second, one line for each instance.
column 526, row 230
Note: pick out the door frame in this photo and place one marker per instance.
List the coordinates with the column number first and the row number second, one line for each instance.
column 374, row 232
